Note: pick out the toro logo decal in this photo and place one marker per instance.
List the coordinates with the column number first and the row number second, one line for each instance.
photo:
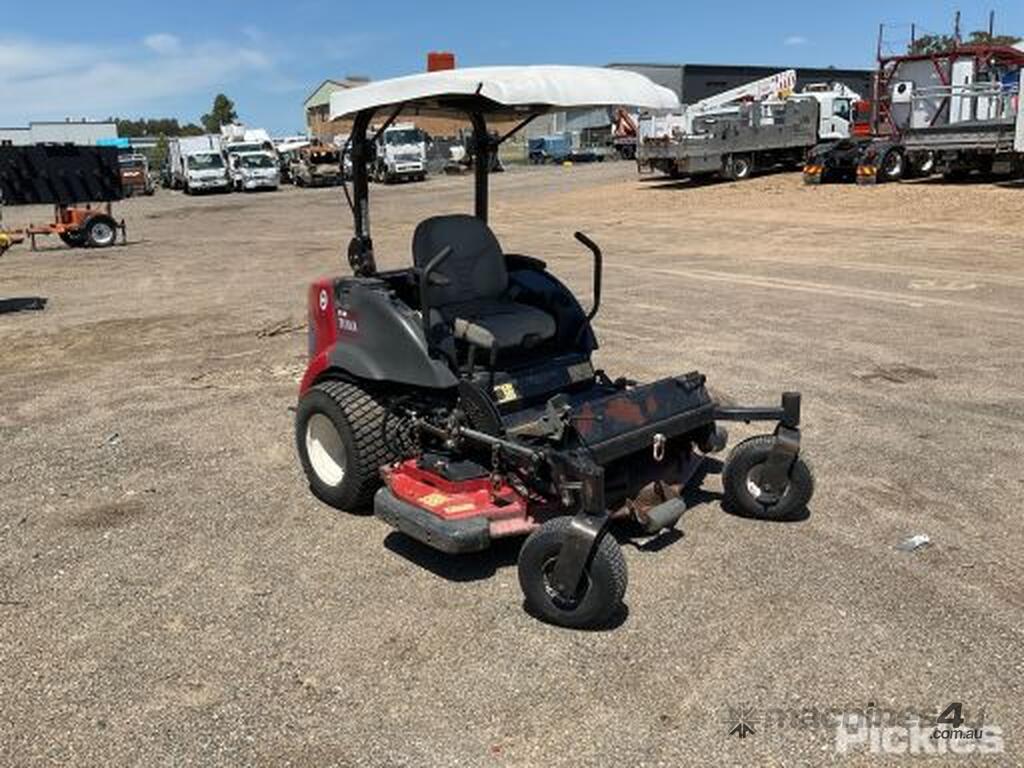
column 348, row 322
column 323, row 299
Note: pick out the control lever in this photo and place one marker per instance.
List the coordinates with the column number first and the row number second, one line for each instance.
column 598, row 263
column 478, row 338
column 598, row 269
column 427, row 278
column 473, row 334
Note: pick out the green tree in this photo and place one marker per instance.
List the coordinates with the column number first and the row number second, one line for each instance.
column 159, row 154
column 982, row 37
column 932, row 44
column 222, row 113
column 943, row 43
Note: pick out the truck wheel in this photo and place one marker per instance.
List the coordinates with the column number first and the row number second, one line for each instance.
column 739, row 167
column 742, row 492
column 601, row 589
column 891, row 168
column 339, row 433
column 100, row 232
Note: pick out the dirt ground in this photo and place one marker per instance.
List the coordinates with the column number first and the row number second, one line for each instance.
column 172, row 594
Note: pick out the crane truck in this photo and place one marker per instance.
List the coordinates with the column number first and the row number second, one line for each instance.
column 756, row 126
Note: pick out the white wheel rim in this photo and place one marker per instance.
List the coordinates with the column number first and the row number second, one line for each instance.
column 753, row 488
column 102, row 233
column 325, row 450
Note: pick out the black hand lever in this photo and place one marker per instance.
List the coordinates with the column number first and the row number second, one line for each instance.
column 425, row 283
column 587, row 242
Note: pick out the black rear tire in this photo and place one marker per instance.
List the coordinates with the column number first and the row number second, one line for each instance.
column 357, row 447
column 601, row 590
column 892, row 166
column 742, row 494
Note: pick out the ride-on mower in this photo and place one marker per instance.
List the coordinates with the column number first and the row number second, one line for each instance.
column 457, row 395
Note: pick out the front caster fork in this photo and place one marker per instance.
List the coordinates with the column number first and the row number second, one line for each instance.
column 579, row 476
column 774, row 477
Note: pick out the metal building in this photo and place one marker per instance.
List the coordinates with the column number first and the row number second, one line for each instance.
column 693, row 82
column 82, row 132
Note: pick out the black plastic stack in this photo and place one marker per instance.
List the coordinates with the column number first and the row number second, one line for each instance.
column 59, row 174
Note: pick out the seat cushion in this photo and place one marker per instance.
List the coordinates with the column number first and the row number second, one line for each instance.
column 511, row 324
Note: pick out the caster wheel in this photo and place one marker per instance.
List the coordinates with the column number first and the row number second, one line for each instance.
column 741, row 476
column 599, row 594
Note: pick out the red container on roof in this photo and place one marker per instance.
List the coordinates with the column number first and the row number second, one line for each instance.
column 440, row 60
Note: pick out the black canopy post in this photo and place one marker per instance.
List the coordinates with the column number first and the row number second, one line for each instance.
column 360, row 248
column 481, row 162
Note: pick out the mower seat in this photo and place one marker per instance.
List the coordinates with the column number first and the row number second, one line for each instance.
column 478, row 286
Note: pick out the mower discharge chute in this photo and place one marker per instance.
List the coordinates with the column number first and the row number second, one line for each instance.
column 457, row 395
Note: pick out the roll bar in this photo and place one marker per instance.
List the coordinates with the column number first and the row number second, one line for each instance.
column 360, row 247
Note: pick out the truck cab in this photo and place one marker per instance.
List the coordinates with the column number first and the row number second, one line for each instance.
column 135, row 177
column 206, row 171
column 401, row 153
column 837, row 108
column 255, row 170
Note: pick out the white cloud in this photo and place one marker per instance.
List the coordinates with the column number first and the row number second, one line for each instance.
column 43, row 80
column 795, row 40
column 163, row 43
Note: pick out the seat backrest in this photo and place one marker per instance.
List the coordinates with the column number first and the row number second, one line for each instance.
column 476, row 266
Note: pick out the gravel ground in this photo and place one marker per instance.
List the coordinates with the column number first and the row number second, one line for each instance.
column 171, row 593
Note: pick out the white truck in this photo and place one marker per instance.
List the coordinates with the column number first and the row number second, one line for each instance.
column 401, row 153
column 197, row 164
column 254, row 170
column 237, row 138
column 756, row 126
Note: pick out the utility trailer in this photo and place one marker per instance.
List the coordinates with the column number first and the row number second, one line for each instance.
column 972, row 123
column 80, row 182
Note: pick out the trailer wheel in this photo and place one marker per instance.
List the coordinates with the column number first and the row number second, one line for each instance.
column 100, row 232
column 602, row 587
column 921, row 163
column 739, row 167
column 740, row 483
column 891, row 168
column 339, row 433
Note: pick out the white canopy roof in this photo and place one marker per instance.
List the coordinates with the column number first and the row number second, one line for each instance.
column 508, row 89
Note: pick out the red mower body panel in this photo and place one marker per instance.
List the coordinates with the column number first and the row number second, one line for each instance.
column 506, row 511
column 321, row 330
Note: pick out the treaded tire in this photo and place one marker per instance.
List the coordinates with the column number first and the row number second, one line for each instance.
column 602, row 588
column 358, row 417
column 892, row 166
column 740, row 167
column 742, row 465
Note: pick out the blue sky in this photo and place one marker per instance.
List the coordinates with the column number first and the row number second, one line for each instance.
column 169, row 59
